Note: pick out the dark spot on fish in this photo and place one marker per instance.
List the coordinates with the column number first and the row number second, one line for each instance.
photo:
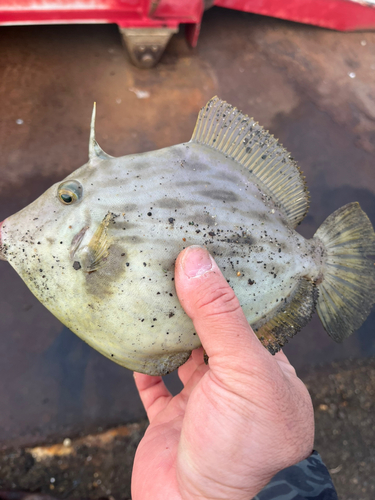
column 99, row 283
column 248, row 241
column 145, row 264
column 77, row 265
column 264, row 218
column 228, row 176
column 171, row 220
column 191, row 183
column 127, row 263
column 133, row 239
column 149, row 214
column 169, row 203
column 130, row 207
column 211, row 233
column 171, row 314
column 220, row 194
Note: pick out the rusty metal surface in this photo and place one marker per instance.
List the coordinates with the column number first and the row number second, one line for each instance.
column 146, row 45
column 312, row 88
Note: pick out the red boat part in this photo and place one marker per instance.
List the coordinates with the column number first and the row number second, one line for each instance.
column 342, row 15
column 137, row 18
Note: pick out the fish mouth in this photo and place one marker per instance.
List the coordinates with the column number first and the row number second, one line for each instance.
column 2, row 256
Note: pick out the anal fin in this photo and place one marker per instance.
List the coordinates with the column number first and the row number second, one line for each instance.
column 289, row 318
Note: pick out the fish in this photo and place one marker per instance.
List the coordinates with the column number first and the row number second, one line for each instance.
column 98, row 248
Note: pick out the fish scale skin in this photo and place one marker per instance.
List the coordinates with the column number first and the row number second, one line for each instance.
column 161, row 202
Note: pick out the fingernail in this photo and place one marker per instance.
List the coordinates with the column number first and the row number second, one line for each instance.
column 196, row 261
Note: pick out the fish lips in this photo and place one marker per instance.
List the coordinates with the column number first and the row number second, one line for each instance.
column 2, row 256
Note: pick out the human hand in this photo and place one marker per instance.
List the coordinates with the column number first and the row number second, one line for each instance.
column 238, row 421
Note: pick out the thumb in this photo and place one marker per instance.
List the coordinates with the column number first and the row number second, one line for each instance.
column 215, row 310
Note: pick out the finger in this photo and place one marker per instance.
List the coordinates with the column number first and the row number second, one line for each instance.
column 214, row 308
column 153, row 393
column 186, row 370
column 280, row 356
column 194, row 380
column 284, row 363
column 198, row 356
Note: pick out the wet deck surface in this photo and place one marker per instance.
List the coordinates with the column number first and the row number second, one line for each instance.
column 312, row 88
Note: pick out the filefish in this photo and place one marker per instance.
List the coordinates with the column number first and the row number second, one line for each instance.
column 98, row 249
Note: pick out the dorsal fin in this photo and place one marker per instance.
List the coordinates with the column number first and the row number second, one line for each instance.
column 95, row 151
column 224, row 128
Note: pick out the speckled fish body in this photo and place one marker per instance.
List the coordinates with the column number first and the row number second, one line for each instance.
column 104, row 265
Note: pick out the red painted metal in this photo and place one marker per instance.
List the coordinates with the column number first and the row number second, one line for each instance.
column 192, row 33
column 335, row 14
column 342, row 15
column 125, row 13
column 191, row 9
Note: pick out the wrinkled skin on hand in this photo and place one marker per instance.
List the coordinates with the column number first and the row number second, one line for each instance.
column 238, row 421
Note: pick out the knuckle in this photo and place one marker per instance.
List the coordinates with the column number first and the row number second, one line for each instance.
column 218, row 301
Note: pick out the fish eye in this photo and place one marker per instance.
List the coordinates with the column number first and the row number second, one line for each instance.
column 70, row 192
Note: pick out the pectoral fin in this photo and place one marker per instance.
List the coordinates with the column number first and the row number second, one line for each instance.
column 93, row 256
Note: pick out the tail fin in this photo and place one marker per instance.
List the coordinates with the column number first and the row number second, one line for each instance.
column 347, row 290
